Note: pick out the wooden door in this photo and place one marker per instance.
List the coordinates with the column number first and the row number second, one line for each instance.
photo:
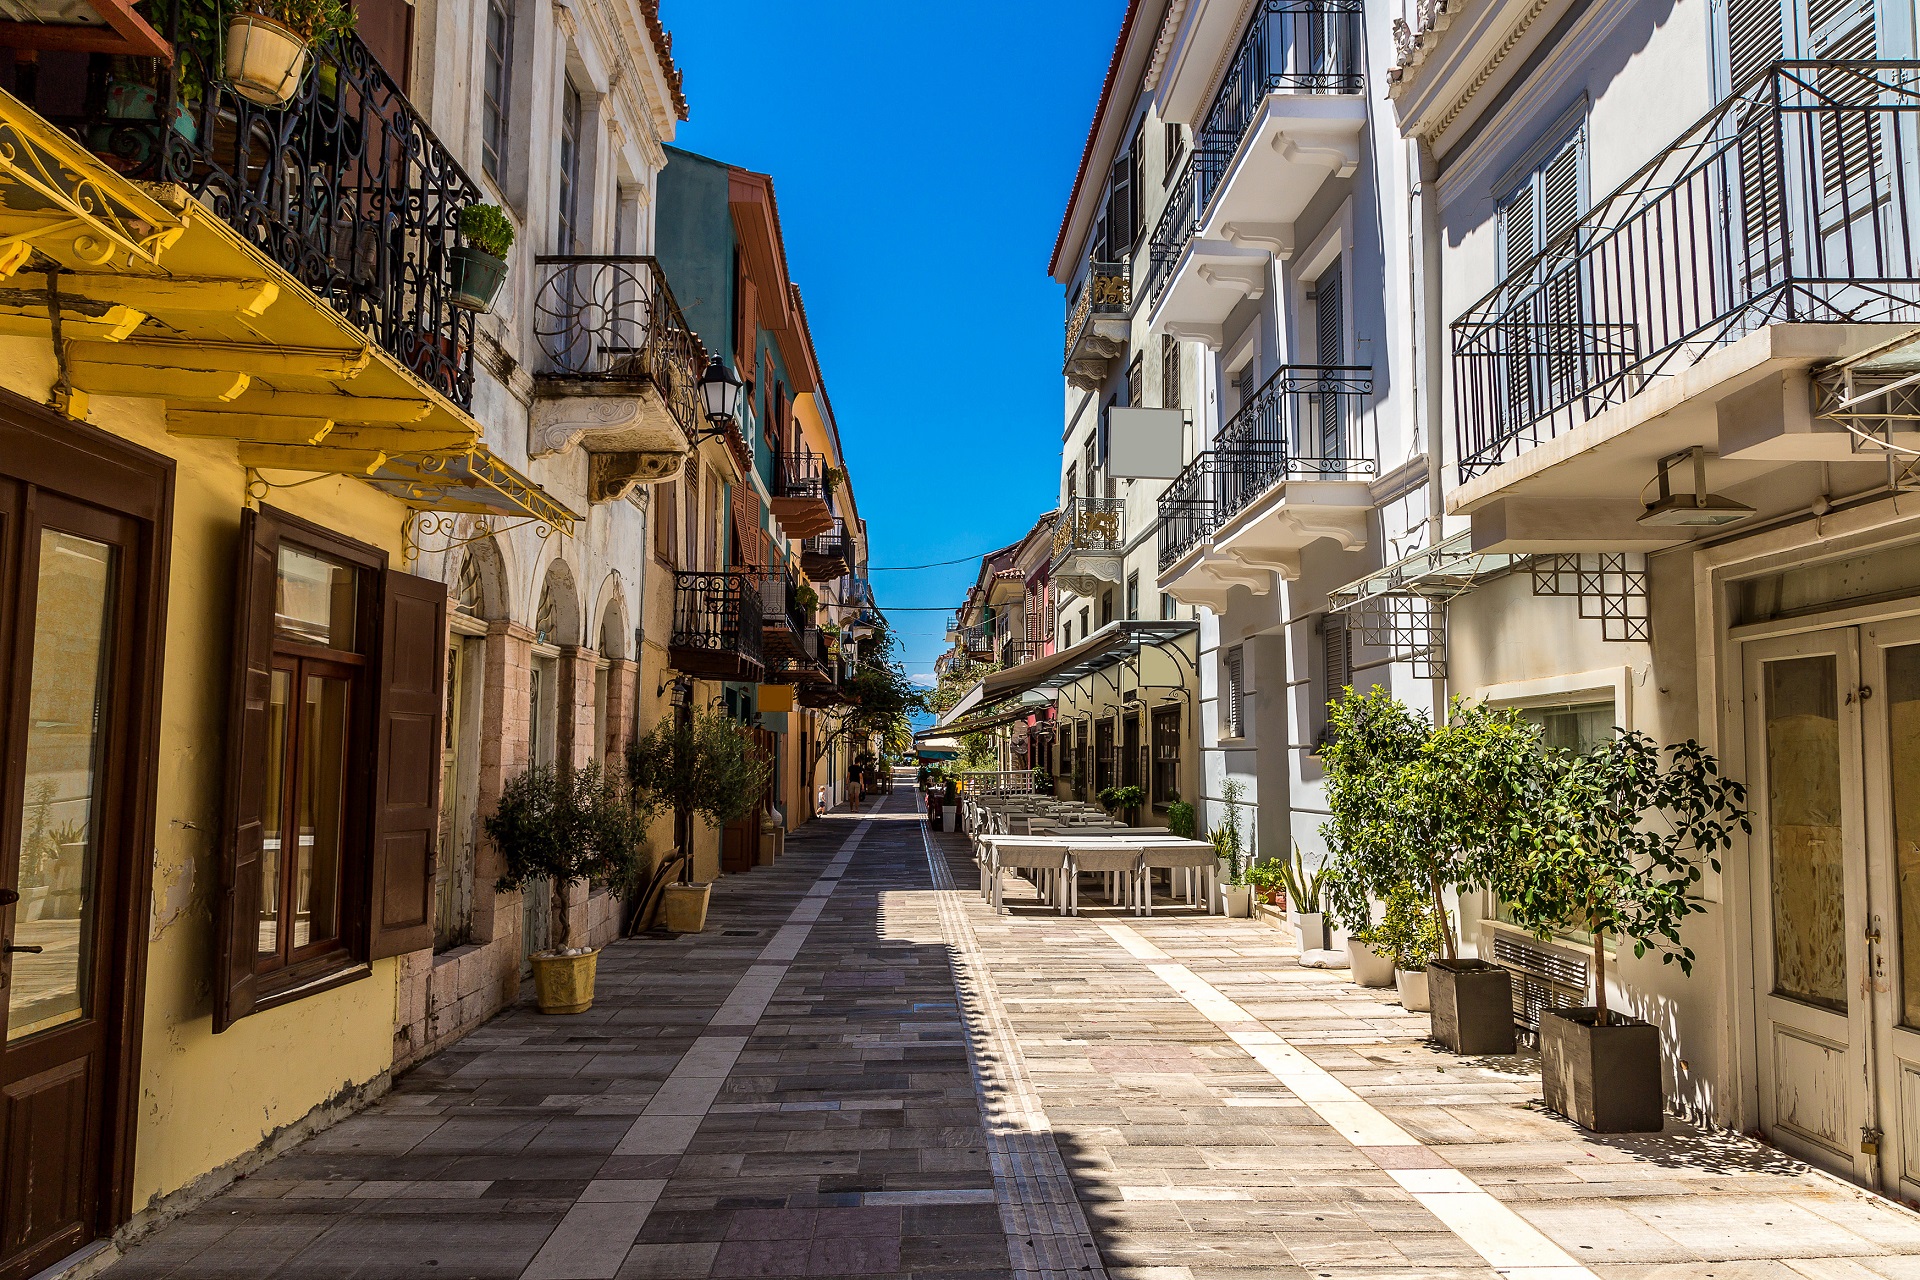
column 80, row 627
column 1811, row 917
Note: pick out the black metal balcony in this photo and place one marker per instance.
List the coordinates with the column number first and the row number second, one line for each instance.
column 1289, row 46
column 717, row 625
column 829, row 554
column 614, row 319
column 1186, row 510
column 1793, row 201
column 1305, row 422
column 345, row 186
column 1015, row 652
column 801, row 494
column 783, row 617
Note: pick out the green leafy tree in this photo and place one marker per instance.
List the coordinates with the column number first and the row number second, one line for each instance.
column 1373, row 738
column 568, row 828
column 1437, row 808
column 882, row 701
column 706, row 765
column 1615, row 842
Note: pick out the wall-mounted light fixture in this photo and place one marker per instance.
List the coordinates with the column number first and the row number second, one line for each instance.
column 1696, row 510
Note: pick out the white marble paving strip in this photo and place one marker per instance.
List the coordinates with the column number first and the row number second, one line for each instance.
column 593, row 1240
column 1046, row 1229
column 1510, row 1244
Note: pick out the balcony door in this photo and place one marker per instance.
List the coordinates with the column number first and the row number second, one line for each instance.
column 1833, row 728
column 82, row 536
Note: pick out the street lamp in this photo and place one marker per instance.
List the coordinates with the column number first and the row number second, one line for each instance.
column 720, row 396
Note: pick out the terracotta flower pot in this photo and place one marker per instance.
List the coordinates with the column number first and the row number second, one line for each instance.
column 564, row 984
column 265, row 60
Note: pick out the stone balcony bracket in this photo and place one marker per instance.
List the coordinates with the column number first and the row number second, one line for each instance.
column 603, row 416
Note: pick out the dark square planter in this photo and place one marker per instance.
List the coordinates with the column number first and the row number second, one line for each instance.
column 1472, row 1006
column 1604, row 1078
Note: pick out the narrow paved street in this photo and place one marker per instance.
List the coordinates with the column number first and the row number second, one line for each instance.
column 858, row 1070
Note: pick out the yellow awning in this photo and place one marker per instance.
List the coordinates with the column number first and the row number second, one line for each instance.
column 157, row 297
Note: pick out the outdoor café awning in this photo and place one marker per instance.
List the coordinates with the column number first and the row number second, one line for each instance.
column 1111, row 645
column 992, row 718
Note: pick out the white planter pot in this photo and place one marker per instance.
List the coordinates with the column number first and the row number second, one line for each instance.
column 1310, row 927
column 1413, row 989
column 1236, row 901
column 265, row 61
column 1370, row 968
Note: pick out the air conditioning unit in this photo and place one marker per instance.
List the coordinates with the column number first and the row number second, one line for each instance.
column 1546, row 975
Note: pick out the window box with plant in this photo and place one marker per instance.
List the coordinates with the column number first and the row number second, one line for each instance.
column 555, row 830
column 479, row 266
column 1616, row 847
column 270, row 44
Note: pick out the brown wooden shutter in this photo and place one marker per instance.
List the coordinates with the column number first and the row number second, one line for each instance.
column 236, row 909
column 386, row 28
column 663, row 517
column 410, row 687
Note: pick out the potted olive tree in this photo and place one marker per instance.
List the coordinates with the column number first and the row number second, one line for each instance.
column 1372, row 739
column 558, row 829
column 270, row 42
column 479, row 266
column 1469, row 791
column 1617, row 843
column 706, row 765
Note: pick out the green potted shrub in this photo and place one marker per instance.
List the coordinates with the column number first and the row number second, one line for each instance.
column 1475, row 782
column 562, row 829
column 1236, row 895
column 706, row 765
column 270, row 42
column 1042, row 783
column 1304, row 891
column 1181, row 819
column 1409, row 936
column 479, row 266
column 1120, row 802
column 1269, row 881
column 1371, row 739
column 1617, row 843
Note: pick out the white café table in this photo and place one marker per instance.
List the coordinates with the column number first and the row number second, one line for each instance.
column 1065, row 855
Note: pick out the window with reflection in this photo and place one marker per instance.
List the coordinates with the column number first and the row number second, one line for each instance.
column 314, row 701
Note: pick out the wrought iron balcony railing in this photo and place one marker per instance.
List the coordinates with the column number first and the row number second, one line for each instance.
column 1015, row 652
column 1289, row 46
column 1179, row 219
column 615, row 319
column 829, row 552
column 1089, row 526
column 345, row 186
column 1792, row 201
column 779, row 594
column 1187, row 510
column 717, row 623
column 799, row 475
column 1305, row 421
column 1105, row 290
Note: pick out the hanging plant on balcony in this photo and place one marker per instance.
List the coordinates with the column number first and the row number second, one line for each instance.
column 480, row 265
column 269, row 43
column 830, row 479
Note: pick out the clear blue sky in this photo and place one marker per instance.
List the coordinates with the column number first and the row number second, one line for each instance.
column 922, row 154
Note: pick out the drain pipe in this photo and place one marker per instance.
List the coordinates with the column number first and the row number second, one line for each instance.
column 1429, row 336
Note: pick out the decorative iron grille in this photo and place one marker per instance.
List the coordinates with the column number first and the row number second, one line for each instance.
column 1179, row 219
column 344, row 186
column 615, row 319
column 718, row 612
column 1611, row 588
column 1793, row 200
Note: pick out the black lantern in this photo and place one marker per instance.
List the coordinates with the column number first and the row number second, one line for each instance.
column 720, row 394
